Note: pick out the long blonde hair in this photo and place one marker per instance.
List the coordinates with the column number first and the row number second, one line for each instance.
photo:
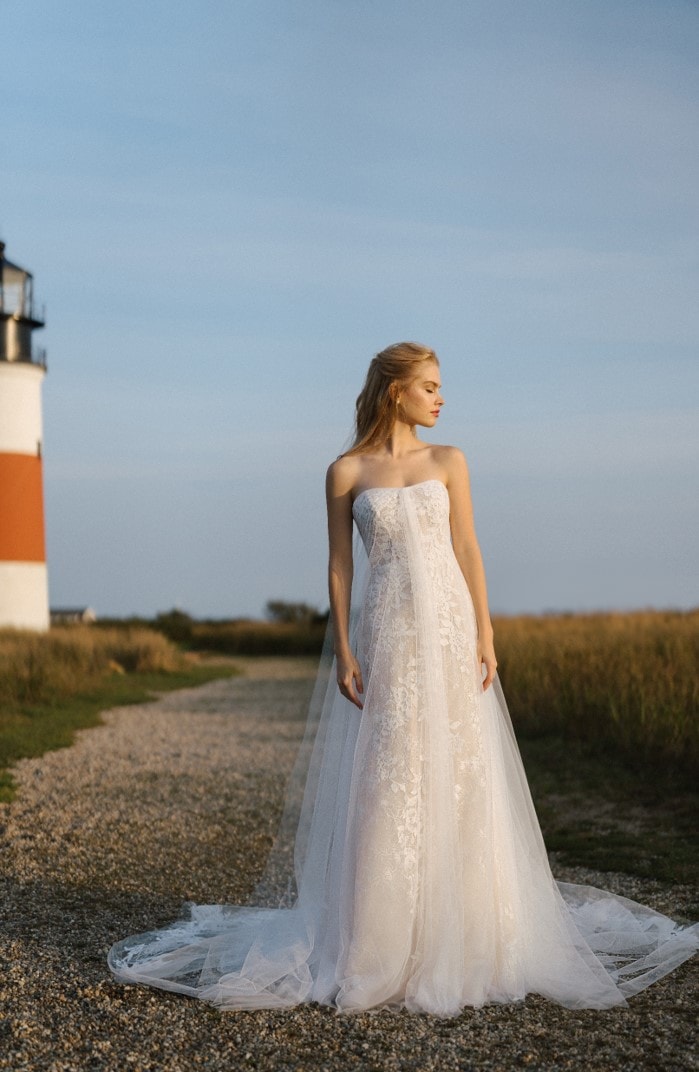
column 377, row 409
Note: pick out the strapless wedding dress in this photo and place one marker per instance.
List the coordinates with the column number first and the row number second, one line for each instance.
column 421, row 877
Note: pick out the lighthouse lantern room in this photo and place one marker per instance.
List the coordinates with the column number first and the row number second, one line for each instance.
column 23, row 580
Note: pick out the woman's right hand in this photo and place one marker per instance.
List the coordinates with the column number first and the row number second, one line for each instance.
column 349, row 679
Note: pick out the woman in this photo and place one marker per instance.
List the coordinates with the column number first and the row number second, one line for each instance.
column 387, row 452
column 420, row 876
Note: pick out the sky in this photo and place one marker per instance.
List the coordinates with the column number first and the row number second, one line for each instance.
column 229, row 206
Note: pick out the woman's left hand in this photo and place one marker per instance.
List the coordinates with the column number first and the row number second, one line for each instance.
column 486, row 654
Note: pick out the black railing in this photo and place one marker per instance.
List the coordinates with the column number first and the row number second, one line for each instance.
column 36, row 312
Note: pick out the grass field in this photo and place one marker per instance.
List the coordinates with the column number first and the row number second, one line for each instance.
column 621, row 683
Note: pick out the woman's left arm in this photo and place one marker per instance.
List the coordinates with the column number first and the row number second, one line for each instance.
column 468, row 555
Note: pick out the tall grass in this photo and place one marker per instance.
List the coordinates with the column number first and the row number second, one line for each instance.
column 627, row 682
column 71, row 660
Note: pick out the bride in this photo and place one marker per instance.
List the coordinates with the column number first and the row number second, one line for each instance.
column 416, row 875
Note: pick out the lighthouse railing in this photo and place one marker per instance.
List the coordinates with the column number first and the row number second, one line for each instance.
column 13, row 303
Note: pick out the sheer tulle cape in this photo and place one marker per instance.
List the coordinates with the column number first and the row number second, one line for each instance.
column 409, row 868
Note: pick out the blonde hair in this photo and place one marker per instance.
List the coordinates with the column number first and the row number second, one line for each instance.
column 377, row 408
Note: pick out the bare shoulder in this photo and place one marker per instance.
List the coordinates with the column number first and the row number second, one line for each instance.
column 342, row 474
column 452, row 460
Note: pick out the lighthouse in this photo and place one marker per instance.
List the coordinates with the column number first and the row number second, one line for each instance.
column 24, row 600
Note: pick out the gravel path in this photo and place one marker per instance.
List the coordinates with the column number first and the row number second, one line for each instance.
column 177, row 800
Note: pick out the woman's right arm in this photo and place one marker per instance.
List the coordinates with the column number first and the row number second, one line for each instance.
column 338, row 490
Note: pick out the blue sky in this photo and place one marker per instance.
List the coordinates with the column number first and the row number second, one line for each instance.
column 230, row 206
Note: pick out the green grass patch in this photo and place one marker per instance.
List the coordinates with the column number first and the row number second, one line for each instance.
column 33, row 729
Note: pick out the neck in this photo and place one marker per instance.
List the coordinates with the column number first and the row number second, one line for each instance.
column 402, row 440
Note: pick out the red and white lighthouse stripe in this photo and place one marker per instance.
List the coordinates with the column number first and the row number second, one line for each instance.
column 23, row 577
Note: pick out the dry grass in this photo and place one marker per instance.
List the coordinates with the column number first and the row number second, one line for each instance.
column 626, row 681
column 43, row 668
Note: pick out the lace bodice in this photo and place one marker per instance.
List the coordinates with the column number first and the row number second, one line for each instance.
column 380, row 514
column 407, row 537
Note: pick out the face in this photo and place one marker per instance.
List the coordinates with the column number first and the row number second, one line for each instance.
column 421, row 400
